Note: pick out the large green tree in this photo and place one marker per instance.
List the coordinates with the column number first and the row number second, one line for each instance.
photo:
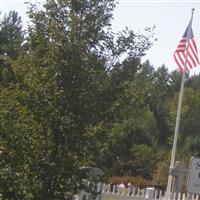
column 61, row 100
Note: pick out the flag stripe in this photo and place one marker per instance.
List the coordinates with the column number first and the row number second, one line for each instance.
column 179, row 61
column 191, row 59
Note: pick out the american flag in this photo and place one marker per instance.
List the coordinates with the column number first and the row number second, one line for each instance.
column 186, row 55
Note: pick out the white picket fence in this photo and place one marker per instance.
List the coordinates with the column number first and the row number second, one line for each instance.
column 112, row 192
column 108, row 192
column 130, row 193
column 124, row 197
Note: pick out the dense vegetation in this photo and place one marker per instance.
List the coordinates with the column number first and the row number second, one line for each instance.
column 75, row 95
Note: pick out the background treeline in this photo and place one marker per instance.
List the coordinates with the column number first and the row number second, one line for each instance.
column 74, row 95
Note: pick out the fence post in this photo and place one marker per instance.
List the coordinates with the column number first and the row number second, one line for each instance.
column 98, row 187
column 103, row 189
column 108, row 188
column 123, row 191
column 174, row 196
column 156, row 194
column 133, row 192
column 183, row 196
column 143, row 193
column 113, row 189
column 118, row 189
column 138, row 192
column 179, row 196
column 160, row 194
column 192, row 196
column 129, row 191
column 98, row 191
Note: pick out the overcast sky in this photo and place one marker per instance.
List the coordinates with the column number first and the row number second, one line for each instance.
column 169, row 17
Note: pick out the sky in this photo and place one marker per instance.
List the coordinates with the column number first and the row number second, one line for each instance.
column 170, row 18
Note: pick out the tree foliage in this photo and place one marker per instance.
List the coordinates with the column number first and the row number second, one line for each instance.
column 74, row 95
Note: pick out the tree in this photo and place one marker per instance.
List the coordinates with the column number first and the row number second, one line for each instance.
column 189, row 127
column 193, row 82
column 135, row 124
column 11, row 40
column 158, row 102
column 160, row 175
column 175, row 81
column 21, row 145
column 143, row 153
column 11, row 35
column 63, row 86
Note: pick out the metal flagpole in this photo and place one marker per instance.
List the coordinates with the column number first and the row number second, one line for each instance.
column 173, row 154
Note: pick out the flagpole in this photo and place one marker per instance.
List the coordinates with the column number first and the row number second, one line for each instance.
column 173, row 154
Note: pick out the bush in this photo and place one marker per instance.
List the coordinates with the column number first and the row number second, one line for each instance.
column 138, row 180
